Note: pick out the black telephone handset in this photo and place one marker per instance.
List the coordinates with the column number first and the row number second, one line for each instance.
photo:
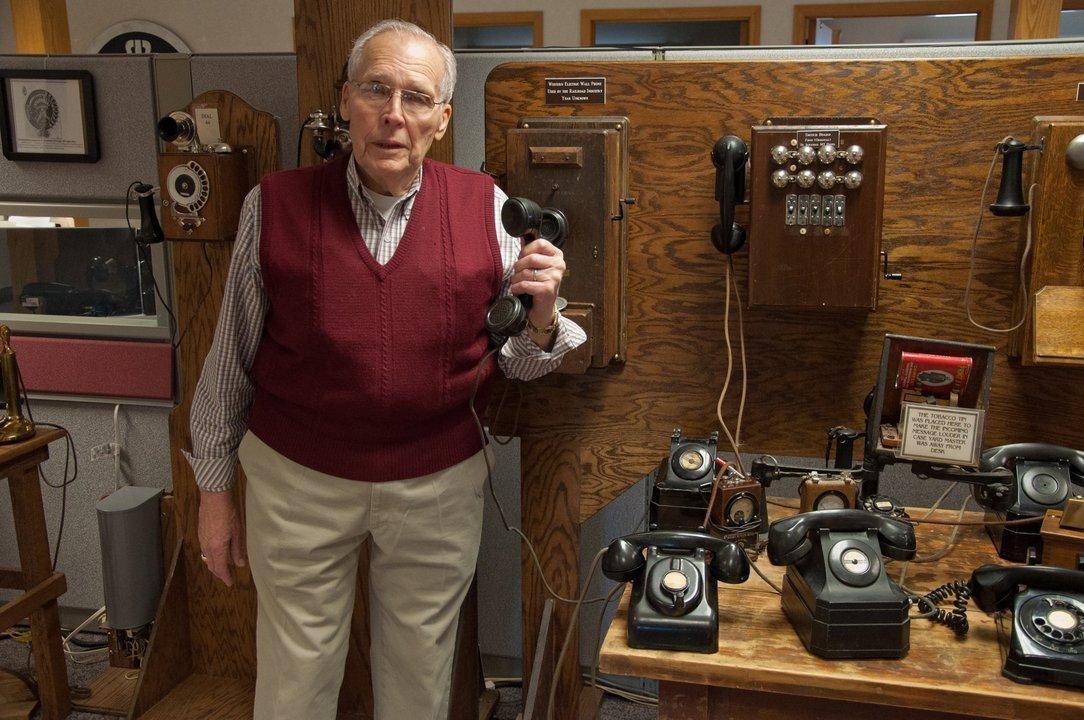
column 522, row 218
column 1044, row 474
column 790, row 539
column 675, row 602
column 1047, row 642
column 835, row 591
column 730, row 156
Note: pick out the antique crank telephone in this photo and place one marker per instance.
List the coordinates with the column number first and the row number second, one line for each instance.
column 674, row 604
column 203, row 184
column 1047, row 642
column 836, row 592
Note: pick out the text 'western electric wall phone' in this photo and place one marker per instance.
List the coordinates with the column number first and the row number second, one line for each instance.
column 522, row 218
column 836, row 592
column 1046, row 476
column 1047, row 642
column 203, row 183
column 674, row 603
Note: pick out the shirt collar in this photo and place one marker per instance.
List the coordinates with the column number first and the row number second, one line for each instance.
column 358, row 189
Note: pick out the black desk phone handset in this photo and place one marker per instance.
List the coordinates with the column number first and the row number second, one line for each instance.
column 1045, row 476
column 675, row 604
column 729, row 155
column 836, row 593
column 1047, row 642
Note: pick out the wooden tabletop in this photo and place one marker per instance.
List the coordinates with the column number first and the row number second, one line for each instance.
column 16, row 451
column 759, row 650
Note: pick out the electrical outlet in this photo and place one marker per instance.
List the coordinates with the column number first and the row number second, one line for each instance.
column 105, row 450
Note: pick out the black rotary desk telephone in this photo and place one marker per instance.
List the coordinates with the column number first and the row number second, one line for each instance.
column 836, row 592
column 675, row 601
column 1047, row 642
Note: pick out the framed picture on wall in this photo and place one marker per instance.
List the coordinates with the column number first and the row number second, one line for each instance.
column 48, row 115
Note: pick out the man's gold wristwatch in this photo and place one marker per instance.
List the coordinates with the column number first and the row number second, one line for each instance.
column 548, row 328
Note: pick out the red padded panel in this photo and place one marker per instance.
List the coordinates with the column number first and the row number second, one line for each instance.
column 111, row 368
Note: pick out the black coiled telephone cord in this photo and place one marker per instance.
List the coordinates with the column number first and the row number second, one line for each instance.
column 956, row 619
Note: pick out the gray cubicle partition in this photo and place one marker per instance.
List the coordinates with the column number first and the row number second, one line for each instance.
column 126, row 114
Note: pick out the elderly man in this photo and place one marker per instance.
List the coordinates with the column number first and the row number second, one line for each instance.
column 340, row 377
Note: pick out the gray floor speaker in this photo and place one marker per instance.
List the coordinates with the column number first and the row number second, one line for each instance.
column 129, row 527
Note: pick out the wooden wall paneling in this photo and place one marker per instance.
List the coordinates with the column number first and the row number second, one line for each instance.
column 552, row 482
column 324, row 32
column 1034, row 19
column 221, row 620
column 812, row 368
column 41, row 27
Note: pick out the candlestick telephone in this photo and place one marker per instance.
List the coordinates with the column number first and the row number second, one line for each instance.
column 1047, row 641
column 522, row 218
column 674, row 604
column 836, row 592
column 1046, row 476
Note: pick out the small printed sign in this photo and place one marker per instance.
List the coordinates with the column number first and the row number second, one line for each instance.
column 816, row 138
column 576, row 91
column 941, row 434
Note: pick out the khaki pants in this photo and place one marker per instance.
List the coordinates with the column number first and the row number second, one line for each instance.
column 304, row 529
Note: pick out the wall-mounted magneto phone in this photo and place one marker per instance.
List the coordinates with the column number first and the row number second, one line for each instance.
column 522, row 218
column 1046, row 476
column 1047, row 642
column 836, row 592
column 730, row 156
column 203, row 183
column 674, row 604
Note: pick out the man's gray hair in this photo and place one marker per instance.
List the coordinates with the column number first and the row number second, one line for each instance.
column 402, row 27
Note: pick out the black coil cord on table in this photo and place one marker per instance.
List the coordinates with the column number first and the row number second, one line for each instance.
column 956, row 619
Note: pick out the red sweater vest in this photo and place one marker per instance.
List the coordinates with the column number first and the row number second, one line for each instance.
column 365, row 371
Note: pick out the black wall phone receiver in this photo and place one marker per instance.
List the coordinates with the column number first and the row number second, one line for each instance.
column 789, row 541
column 624, row 559
column 525, row 219
column 150, row 230
column 730, row 156
column 1007, row 455
column 993, row 587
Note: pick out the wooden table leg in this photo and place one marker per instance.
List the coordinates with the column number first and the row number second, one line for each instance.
column 33, row 541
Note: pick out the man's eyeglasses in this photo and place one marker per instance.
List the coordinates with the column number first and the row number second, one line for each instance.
column 377, row 95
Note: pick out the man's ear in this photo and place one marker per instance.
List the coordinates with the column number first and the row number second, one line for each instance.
column 445, row 118
column 344, row 102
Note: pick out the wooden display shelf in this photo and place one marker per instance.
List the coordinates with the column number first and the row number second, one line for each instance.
column 111, row 693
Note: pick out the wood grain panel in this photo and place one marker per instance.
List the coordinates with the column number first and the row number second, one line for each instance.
column 759, row 651
column 324, row 32
column 111, row 693
column 41, row 27
column 222, row 620
column 813, row 368
column 553, row 484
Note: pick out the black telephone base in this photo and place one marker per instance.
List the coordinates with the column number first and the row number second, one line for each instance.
column 695, row 631
column 1025, row 672
column 1015, row 543
column 1027, row 660
column 825, row 636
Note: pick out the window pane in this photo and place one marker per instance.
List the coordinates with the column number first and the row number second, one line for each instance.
column 881, row 30
column 1072, row 24
column 493, row 36
column 698, row 33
